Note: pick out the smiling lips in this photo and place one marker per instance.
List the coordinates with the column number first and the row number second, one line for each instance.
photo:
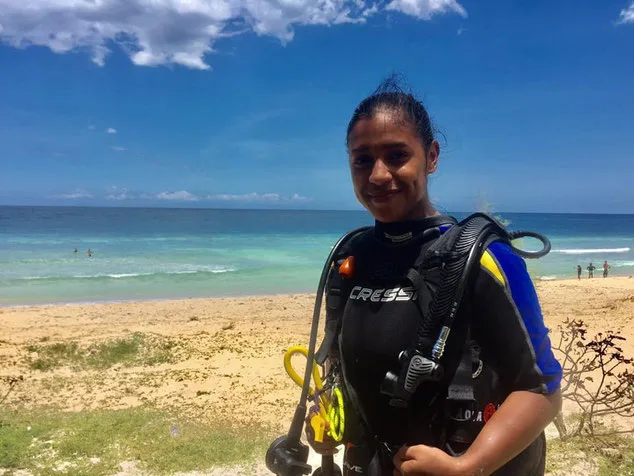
column 382, row 197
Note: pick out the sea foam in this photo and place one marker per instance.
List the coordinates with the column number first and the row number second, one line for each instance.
column 585, row 251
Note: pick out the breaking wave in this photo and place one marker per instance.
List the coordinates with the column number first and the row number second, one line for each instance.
column 127, row 275
column 584, row 251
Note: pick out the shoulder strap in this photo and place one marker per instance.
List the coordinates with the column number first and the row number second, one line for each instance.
column 338, row 289
column 455, row 252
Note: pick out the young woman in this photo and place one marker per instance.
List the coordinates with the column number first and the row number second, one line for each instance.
column 392, row 153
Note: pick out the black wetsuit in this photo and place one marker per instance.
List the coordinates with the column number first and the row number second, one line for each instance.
column 381, row 317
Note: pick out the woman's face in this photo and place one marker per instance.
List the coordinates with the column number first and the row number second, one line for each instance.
column 389, row 167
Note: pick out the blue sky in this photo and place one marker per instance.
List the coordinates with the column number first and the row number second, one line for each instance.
column 234, row 103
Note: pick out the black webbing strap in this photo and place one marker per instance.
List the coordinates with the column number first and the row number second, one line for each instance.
column 335, row 301
column 423, row 298
column 460, row 405
column 337, row 290
column 330, row 335
column 460, row 390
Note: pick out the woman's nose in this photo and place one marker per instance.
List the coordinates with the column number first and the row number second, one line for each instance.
column 380, row 173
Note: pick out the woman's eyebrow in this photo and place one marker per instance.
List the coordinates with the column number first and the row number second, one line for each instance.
column 360, row 149
column 388, row 145
column 395, row 145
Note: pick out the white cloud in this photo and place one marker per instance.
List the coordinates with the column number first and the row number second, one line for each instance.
column 299, row 198
column 91, row 127
column 627, row 14
column 116, row 193
column 181, row 196
column 425, row 9
column 256, row 197
column 118, row 148
column 246, row 197
column 111, row 130
column 77, row 194
column 158, row 32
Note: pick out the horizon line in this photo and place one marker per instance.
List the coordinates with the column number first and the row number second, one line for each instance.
column 493, row 212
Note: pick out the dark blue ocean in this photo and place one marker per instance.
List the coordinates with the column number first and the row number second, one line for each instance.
column 157, row 253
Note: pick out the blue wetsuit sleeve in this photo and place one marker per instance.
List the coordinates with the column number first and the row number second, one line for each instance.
column 510, row 316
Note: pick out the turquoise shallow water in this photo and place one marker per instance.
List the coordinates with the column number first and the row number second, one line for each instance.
column 179, row 253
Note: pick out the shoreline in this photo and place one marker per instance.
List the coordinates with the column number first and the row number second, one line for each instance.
column 537, row 282
column 150, row 301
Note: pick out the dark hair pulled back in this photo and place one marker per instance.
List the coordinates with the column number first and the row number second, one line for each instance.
column 390, row 96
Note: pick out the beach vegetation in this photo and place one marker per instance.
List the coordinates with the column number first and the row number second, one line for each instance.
column 10, row 381
column 96, row 442
column 604, row 456
column 598, row 377
column 137, row 349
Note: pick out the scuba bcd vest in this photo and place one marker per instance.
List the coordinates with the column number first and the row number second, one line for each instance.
column 472, row 393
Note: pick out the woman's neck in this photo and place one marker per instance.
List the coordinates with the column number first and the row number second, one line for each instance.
column 423, row 209
column 404, row 230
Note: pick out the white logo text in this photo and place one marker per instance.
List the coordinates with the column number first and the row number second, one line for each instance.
column 360, row 293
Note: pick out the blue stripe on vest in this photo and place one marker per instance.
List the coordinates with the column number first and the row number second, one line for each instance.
column 527, row 303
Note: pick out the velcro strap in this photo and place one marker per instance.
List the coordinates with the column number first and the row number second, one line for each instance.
column 460, row 392
column 333, row 298
column 461, row 387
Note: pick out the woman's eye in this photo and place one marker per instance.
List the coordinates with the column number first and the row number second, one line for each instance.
column 362, row 161
column 397, row 156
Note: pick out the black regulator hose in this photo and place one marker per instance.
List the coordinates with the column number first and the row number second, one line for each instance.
column 286, row 456
column 514, row 235
column 297, row 424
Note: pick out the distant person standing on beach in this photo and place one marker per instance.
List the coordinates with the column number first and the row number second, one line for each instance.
column 89, row 252
column 606, row 267
column 579, row 271
column 591, row 269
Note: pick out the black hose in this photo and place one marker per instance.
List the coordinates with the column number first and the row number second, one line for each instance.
column 455, row 273
column 514, row 235
column 295, row 430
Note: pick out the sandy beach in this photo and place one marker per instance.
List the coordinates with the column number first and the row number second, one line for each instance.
column 226, row 353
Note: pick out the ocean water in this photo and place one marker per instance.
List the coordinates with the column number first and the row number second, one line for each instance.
column 179, row 253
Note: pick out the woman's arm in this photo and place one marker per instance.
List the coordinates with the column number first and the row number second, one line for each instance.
column 507, row 317
column 513, row 427
column 509, row 309
column 516, row 424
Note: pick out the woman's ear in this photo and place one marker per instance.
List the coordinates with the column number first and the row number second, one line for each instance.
column 432, row 157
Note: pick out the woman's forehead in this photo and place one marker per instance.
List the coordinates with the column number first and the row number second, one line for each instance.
column 381, row 128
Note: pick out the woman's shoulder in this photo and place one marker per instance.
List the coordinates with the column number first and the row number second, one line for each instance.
column 500, row 262
column 355, row 240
